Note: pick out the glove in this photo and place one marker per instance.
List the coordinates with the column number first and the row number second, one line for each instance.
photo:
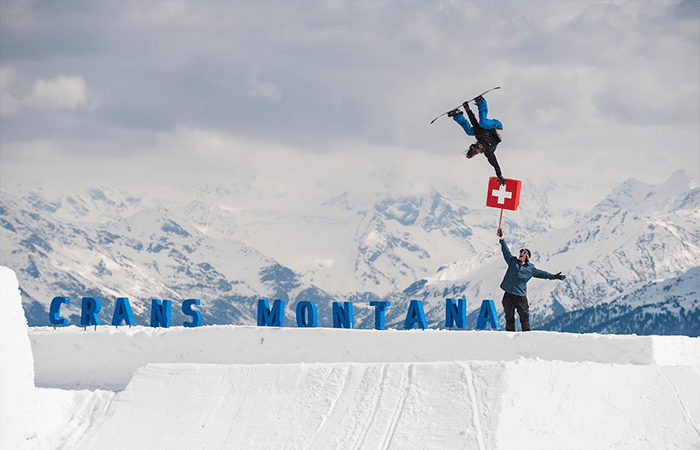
column 466, row 105
column 501, row 180
column 559, row 276
column 479, row 99
column 499, row 233
column 454, row 112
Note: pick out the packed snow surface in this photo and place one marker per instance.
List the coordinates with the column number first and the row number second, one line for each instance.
column 230, row 387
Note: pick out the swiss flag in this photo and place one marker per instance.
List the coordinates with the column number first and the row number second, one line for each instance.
column 505, row 196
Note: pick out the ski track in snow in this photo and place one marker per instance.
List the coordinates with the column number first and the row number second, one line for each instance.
column 338, row 408
column 376, row 401
column 405, row 385
column 688, row 417
column 468, row 375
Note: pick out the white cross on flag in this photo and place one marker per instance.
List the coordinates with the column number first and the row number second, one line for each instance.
column 505, row 196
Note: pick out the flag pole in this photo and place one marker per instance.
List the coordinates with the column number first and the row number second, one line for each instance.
column 500, row 219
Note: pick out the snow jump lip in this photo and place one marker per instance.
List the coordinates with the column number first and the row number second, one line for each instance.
column 108, row 358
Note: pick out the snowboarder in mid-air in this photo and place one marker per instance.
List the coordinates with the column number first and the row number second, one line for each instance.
column 487, row 132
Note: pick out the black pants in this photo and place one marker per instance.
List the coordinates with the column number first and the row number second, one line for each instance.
column 511, row 302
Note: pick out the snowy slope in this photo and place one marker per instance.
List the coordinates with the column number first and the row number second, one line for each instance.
column 671, row 306
column 510, row 390
column 403, row 406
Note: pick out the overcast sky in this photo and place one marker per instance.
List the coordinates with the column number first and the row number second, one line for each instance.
column 312, row 98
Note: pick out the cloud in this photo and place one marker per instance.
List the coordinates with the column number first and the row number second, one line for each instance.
column 594, row 88
column 62, row 92
column 9, row 103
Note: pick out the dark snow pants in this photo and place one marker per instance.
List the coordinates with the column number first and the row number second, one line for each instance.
column 511, row 302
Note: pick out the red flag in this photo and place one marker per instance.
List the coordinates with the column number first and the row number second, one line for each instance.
column 505, row 196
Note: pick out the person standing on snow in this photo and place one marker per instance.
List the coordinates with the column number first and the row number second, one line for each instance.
column 487, row 132
column 514, row 283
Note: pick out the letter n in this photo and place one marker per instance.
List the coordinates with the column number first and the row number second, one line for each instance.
column 270, row 318
column 342, row 315
column 160, row 313
column 488, row 315
column 456, row 313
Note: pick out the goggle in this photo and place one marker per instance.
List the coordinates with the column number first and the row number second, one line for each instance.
column 524, row 251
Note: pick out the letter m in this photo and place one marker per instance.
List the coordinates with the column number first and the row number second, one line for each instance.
column 270, row 317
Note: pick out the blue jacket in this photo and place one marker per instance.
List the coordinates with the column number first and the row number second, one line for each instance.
column 518, row 274
column 484, row 121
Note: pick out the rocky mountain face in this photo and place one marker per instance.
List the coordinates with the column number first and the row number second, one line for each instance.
column 631, row 262
column 106, row 246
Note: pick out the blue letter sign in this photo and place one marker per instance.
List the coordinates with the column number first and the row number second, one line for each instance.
column 379, row 310
column 91, row 307
column 342, row 315
column 488, row 315
column 188, row 311
column 307, row 317
column 160, row 313
column 456, row 315
column 415, row 315
column 270, row 318
column 122, row 312
column 55, row 310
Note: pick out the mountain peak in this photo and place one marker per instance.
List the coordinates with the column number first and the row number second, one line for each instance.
column 635, row 195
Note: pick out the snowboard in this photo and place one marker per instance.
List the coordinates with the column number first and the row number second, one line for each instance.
column 480, row 95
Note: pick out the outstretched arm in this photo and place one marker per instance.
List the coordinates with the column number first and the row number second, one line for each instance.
column 537, row 273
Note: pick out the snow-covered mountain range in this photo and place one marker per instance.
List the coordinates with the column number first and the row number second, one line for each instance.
column 638, row 247
column 637, row 250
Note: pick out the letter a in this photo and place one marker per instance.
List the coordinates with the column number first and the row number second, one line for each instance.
column 415, row 316
column 488, row 315
column 122, row 312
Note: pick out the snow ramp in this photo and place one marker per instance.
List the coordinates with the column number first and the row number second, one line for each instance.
column 441, row 405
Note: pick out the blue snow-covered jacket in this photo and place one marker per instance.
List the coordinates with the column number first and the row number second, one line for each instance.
column 484, row 121
column 518, row 274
